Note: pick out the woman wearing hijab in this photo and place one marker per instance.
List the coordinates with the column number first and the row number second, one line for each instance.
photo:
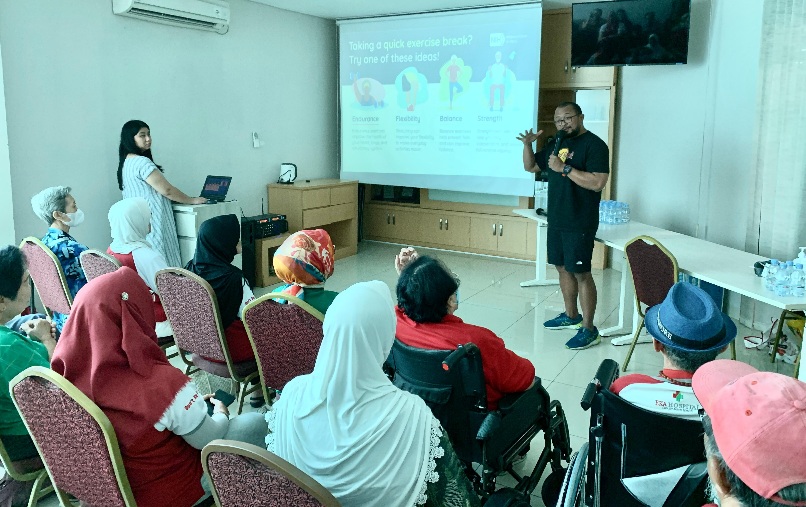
column 346, row 425
column 217, row 244
column 130, row 220
column 109, row 351
column 304, row 261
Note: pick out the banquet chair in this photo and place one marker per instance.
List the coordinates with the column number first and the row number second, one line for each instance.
column 192, row 309
column 74, row 438
column 239, row 471
column 22, row 473
column 284, row 337
column 96, row 263
column 654, row 271
column 48, row 276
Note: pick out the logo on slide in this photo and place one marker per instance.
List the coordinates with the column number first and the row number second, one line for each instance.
column 497, row 39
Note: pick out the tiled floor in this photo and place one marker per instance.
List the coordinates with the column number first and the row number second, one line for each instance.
column 490, row 296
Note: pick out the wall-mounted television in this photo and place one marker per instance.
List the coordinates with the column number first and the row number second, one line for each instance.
column 630, row 32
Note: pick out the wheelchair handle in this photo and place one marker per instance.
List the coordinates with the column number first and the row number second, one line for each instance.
column 605, row 375
column 460, row 352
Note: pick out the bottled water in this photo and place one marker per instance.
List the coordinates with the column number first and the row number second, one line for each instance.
column 614, row 212
column 772, row 269
column 798, row 281
column 782, row 281
column 626, row 212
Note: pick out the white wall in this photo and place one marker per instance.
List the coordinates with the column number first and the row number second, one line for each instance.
column 74, row 73
column 7, row 236
column 685, row 134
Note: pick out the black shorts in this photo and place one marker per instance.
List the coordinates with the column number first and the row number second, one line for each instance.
column 570, row 249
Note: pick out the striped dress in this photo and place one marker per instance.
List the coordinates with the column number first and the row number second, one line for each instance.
column 163, row 235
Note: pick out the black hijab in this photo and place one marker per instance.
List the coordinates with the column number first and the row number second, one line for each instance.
column 215, row 250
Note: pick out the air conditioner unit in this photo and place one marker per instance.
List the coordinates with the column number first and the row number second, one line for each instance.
column 210, row 15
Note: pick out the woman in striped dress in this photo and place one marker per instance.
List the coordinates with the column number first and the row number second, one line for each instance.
column 139, row 176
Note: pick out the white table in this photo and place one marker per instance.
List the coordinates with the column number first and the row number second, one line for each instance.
column 723, row 266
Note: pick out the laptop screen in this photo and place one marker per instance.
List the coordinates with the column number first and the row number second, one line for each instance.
column 216, row 187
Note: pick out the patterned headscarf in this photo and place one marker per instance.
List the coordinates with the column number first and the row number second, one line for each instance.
column 305, row 259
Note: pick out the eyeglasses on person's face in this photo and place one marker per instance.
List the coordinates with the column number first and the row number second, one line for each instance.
column 564, row 120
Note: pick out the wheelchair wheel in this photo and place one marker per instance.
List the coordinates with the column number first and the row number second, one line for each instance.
column 572, row 493
column 552, row 485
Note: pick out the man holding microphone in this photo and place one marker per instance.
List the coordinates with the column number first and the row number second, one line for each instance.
column 578, row 165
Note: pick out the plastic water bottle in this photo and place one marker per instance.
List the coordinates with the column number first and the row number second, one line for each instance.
column 782, row 281
column 769, row 282
column 611, row 212
column 798, row 281
column 601, row 211
column 626, row 212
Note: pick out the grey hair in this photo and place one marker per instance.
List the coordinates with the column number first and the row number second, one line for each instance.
column 688, row 360
column 741, row 491
column 49, row 200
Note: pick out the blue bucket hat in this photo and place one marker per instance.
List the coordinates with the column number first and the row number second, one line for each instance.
column 689, row 320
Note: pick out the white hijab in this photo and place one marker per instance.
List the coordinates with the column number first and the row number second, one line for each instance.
column 345, row 424
column 129, row 220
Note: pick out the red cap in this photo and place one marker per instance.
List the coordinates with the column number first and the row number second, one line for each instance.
column 759, row 422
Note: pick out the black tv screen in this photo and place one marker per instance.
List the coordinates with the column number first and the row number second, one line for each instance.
column 630, row 32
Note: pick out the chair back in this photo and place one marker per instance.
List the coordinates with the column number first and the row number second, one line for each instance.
column 96, row 263
column 285, row 338
column 654, row 270
column 642, row 445
column 457, row 396
column 192, row 309
column 74, row 438
column 48, row 276
column 240, row 471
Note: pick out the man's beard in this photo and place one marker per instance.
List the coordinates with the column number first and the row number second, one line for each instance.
column 710, row 492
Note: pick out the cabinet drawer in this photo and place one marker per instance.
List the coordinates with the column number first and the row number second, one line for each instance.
column 315, row 198
column 185, row 224
column 343, row 194
column 327, row 215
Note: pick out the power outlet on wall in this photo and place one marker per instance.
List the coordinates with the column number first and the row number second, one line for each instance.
column 255, row 140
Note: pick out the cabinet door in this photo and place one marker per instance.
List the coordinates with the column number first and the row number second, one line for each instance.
column 377, row 222
column 512, row 237
column 484, row 233
column 405, row 225
column 455, row 230
column 555, row 49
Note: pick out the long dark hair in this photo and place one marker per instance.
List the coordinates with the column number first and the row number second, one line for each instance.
column 12, row 269
column 127, row 145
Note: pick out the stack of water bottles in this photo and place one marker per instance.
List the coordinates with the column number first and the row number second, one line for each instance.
column 786, row 278
column 614, row 212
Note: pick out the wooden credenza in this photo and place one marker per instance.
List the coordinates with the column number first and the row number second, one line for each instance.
column 328, row 204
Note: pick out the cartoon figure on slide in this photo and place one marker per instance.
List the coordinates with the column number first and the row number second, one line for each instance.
column 412, row 88
column 368, row 92
column 454, row 77
column 499, row 79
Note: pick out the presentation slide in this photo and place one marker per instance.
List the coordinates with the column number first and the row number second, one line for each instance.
column 437, row 100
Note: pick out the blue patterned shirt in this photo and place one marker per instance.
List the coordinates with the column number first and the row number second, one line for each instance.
column 67, row 250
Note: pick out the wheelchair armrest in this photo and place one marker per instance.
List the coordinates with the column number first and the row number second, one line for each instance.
column 512, row 401
column 608, row 372
column 519, row 405
column 489, row 426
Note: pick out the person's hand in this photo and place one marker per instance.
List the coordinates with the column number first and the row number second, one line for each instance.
column 528, row 137
column 40, row 329
column 198, row 200
column 556, row 164
column 406, row 256
column 218, row 407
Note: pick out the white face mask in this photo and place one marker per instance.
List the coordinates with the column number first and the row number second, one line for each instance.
column 76, row 218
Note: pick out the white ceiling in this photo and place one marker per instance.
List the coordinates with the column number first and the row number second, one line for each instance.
column 341, row 9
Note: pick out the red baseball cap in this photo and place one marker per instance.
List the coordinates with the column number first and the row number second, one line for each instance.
column 759, row 423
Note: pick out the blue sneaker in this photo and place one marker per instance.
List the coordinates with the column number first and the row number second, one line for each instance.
column 563, row 321
column 583, row 339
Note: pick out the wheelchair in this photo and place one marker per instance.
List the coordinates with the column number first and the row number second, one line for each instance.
column 634, row 457
column 451, row 382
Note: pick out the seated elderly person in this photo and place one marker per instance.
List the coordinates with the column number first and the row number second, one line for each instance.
column 18, row 353
column 688, row 330
column 755, row 435
column 426, row 302
column 57, row 207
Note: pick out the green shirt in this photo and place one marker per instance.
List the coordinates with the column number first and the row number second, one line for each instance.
column 17, row 352
column 319, row 298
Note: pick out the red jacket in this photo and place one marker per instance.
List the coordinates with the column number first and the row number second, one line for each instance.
column 504, row 371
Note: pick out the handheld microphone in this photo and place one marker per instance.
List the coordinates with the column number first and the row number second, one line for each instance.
column 558, row 138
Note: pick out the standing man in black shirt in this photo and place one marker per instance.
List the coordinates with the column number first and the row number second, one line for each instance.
column 578, row 165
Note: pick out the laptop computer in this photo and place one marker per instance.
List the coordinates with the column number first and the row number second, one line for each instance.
column 215, row 188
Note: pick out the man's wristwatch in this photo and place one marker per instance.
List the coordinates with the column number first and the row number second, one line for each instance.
column 567, row 169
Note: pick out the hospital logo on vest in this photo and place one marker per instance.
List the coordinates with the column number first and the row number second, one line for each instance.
column 678, row 396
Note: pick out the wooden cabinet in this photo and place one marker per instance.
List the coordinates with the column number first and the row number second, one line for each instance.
column 328, row 204
column 449, row 229
column 505, row 236
column 556, row 70
column 391, row 223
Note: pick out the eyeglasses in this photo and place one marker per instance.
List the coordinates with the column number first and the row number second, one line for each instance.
column 563, row 121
